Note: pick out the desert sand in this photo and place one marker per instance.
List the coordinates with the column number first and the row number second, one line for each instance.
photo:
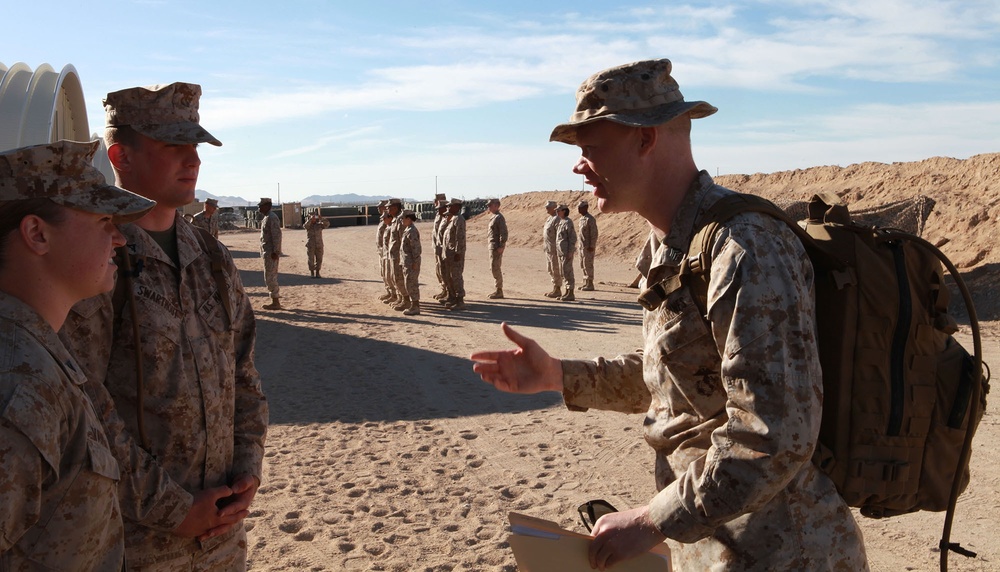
column 386, row 452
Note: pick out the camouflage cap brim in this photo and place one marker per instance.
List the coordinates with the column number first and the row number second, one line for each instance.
column 566, row 132
column 178, row 133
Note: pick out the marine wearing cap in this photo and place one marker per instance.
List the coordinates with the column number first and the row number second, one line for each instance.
column 64, row 173
column 167, row 113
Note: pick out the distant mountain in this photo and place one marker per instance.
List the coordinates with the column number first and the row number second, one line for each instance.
column 201, row 195
column 350, row 199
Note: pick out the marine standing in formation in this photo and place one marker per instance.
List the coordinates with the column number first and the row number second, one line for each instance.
column 270, row 251
column 588, row 244
column 314, row 242
column 453, row 256
column 395, row 242
column 732, row 406
column 207, row 218
column 410, row 261
column 58, row 475
column 551, row 254
column 496, row 237
column 195, row 419
column 441, row 204
column 565, row 248
column 383, row 251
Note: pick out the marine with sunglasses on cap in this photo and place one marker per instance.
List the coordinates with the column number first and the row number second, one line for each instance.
column 733, row 398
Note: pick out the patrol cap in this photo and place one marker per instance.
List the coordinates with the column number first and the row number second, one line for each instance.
column 383, row 202
column 396, row 203
column 167, row 113
column 456, row 202
column 407, row 213
column 583, row 205
column 550, row 205
column 264, row 201
column 439, row 197
column 64, row 173
column 212, row 202
column 639, row 94
column 493, row 201
column 562, row 208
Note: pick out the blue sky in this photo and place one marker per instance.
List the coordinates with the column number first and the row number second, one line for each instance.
column 405, row 98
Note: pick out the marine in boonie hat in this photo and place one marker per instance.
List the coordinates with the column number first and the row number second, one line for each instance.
column 64, row 173
column 639, row 94
column 167, row 113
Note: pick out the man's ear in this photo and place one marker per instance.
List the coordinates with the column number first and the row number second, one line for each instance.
column 648, row 136
column 120, row 157
column 34, row 233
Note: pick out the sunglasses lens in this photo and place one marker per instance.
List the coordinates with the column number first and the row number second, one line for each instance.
column 591, row 511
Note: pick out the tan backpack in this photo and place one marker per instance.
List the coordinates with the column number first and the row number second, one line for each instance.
column 902, row 398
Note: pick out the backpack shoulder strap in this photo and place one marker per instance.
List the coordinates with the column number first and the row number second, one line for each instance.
column 213, row 248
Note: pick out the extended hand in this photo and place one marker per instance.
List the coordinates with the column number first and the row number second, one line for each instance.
column 527, row 369
column 621, row 536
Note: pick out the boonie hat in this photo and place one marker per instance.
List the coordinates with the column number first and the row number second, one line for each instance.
column 64, row 173
column 639, row 94
column 167, row 113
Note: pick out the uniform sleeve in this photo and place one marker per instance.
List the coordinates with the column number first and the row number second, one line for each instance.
column 250, row 425
column 276, row 234
column 147, row 494
column 24, row 469
column 761, row 314
column 613, row 385
column 502, row 230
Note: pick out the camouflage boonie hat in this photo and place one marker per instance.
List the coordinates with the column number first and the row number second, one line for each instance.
column 550, row 205
column 640, row 94
column 167, row 113
column 64, row 173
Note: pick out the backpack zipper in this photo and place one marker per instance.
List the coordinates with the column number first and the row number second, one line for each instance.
column 896, row 359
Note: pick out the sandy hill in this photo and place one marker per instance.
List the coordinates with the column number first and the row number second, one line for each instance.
column 965, row 216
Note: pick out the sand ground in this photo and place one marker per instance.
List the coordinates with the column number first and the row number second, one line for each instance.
column 386, row 452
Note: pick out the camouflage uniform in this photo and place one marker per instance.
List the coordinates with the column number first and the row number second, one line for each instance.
column 410, row 261
column 395, row 241
column 497, row 239
column 204, row 409
column 58, row 476
column 551, row 254
column 733, row 435
column 209, row 223
column 454, row 254
column 382, row 241
column 588, row 245
column 440, row 218
column 270, row 243
column 565, row 249
column 314, row 242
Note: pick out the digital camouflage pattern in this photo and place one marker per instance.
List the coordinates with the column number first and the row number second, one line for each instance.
column 209, row 223
column 588, row 245
column 270, row 243
column 314, row 241
column 64, row 173
column 565, row 248
column 641, row 94
column 733, row 435
column 204, row 409
column 496, row 236
column 395, row 242
column 58, row 476
column 454, row 254
column 551, row 252
column 167, row 113
column 410, row 251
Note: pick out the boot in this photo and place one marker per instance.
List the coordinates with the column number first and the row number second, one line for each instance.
column 457, row 304
column 274, row 305
column 391, row 300
column 413, row 310
column 402, row 305
column 317, row 273
column 588, row 286
column 446, row 300
column 568, row 296
column 496, row 295
column 555, row 293
column 441, row 295
column 385, row 297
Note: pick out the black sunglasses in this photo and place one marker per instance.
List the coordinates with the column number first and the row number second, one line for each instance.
column 592, row 510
